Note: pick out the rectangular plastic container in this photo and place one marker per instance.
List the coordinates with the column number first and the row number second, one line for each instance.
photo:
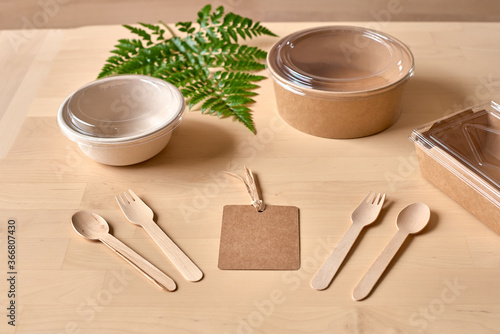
column 460, row 154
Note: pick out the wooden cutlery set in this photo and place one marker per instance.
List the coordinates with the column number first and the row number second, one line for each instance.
column 411, row 219
column 92, row 226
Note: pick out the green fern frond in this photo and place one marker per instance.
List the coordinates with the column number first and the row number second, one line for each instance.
column 141, row 33
column 155, row 30
column 209, row 103
column 204, row 16
column 206, row 63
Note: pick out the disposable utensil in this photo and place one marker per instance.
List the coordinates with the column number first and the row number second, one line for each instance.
column 93, row 227
column 411, row 219
column 137, row 212
column 365, row 214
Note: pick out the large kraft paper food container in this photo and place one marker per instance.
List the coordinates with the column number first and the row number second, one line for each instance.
column 339, row 81
column 460, row 154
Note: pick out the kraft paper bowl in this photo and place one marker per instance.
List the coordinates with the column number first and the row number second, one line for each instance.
column 122, row 120
column 339, row 81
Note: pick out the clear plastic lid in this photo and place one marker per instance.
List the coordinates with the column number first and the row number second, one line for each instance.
column 122, row 108
column 339, row 59
column 470, row 142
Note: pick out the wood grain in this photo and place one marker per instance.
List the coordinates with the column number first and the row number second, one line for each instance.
column 67, row 284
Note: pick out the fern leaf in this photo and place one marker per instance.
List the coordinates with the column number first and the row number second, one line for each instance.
column 217, row 15
column 243, row 65
column 156, row 30
column 261, row 30
column 140, row 32
column 194, row 61
column 220, row 108
column 244, row 116
column 204, row 16
column 238, row 100
column 238, row 91
column 207, row 105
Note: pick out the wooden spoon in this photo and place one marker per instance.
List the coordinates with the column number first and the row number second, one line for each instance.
column 411, row 219
column 93, row 227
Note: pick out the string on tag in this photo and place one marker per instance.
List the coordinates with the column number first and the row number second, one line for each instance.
column 251, row 188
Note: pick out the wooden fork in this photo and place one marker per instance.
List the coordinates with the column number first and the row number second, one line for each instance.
column 365, row 214
column 137, row 212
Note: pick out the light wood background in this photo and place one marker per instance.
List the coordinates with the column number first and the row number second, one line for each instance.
column 18, row 14
column 445, row 280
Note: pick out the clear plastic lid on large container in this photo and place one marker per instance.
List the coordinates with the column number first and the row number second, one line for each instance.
column 339, row 59
column 467, row 143
column 122, row 108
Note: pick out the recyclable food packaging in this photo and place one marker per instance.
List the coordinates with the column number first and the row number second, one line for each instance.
column 460, row 154
column 339, row 81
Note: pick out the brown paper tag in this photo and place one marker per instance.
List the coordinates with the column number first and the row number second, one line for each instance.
column 267, row 240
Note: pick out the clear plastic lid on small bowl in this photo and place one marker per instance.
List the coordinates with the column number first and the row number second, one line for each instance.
column 122, row 108
column 339, row 59
column 467, row 143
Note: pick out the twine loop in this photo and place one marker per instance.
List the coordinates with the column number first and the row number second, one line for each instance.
column 251, row 188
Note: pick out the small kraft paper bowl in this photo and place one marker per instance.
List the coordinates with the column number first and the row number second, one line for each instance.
column 122, row 120
column 339, row 81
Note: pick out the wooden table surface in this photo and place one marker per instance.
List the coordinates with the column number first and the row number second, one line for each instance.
column 445, row 280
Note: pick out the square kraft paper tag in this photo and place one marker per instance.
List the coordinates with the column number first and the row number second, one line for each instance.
column 252, row 240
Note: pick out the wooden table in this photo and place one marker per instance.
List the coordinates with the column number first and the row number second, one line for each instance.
column 445, row 280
